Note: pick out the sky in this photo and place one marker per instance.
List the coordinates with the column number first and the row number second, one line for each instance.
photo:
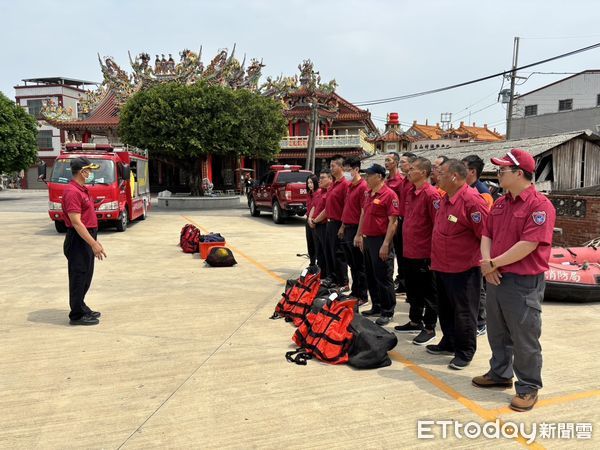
column 374, row 49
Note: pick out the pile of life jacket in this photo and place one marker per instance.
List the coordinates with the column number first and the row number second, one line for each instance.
column 329, row 326
column 189, row 239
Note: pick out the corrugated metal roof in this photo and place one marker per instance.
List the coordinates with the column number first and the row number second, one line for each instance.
column 487, row 150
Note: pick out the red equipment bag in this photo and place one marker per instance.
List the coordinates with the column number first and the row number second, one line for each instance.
column 325, row 334
column 299, row 296
column 189, row 239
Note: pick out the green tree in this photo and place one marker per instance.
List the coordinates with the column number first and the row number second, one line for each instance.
column 18, row 137
column 182, row 124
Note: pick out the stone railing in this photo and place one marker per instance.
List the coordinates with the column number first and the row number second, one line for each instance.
column 335, row 141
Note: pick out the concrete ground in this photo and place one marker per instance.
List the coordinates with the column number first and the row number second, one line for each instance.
column 186, row 357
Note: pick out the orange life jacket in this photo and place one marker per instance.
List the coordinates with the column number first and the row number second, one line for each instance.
column 325, row 334
column 299, row 296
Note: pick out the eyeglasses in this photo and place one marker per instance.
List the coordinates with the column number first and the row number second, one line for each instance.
column 501, row 171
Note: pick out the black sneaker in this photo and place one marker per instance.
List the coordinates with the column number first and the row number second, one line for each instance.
column 371, row 312
column 458, row 364
column 481, row 330
column 435, row 349
column 424, row 337
column 409, row 327
column 95, row 314
column 383, row 320
column 85, row 320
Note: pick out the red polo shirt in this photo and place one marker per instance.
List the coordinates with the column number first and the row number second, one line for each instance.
column 421, row 206
column 378, row 207
column 396, row 183
column 77, row 199
column 528, row 217
column 318, row 201
column 354, row 199
column 309, row 202
column 336, row 196
column 457, row 231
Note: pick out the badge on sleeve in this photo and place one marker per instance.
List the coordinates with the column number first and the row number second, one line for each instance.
column 395, row 203
column 476, row 216
column 539, row 217
column 436, row 204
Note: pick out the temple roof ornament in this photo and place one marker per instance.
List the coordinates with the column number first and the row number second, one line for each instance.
column 223, row 70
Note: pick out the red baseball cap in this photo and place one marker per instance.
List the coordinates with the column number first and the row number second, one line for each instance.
column 516, row 157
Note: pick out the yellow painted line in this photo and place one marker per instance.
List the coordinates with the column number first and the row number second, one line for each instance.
column 251, row 260
column 486, row 414
column 553, row 401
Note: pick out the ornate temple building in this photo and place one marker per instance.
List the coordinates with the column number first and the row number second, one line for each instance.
column 342, row 127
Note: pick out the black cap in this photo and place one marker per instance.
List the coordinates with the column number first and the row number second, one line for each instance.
column 78, row 164
column 376, row 168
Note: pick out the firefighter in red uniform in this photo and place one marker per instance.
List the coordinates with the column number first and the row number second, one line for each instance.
column 515, row 249
column 318, row 222
column 421, row 205
column 395, row 181
column 334, row 204
column 80, row 246
column 397, row 167
column 347, row 232
column 376, row 228
column 455, row 257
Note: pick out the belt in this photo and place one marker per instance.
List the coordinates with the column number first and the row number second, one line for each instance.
column 333, row 220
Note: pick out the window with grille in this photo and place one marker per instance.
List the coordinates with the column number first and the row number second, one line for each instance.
column 44, row 139
column 531, row 110
column 34, row 107
column 565, row 105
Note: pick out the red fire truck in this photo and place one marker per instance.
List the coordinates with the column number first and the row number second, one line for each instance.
column 120, row 187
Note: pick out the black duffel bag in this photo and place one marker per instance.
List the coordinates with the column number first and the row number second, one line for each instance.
column 370, row 345
column 220, row 257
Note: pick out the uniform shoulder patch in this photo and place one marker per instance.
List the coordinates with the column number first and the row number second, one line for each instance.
column 395, row 203
column 436, row 203
column 539, row 217
column 476, row 216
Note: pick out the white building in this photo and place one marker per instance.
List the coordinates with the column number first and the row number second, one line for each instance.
column 570, row 104
column 31, row 95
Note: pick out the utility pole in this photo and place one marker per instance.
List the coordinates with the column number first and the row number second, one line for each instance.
column 513, row 76
column 312, row 137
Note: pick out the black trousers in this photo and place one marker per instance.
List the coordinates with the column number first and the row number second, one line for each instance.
column 380, row 276
column 336, row 261
column 421, row 290
column 80, row 259
column 482, row 312
column 458, row 303
column 356, row 261
column 311, row 245
column 320, row 239
column 398, row 249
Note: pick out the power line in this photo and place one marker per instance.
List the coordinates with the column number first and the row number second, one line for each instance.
column 475, row 112
column 478, row 80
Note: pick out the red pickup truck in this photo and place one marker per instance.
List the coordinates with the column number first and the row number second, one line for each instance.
column 282, row 191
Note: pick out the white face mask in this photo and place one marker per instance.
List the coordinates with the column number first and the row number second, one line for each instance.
column 89, row 178
column 348, row 176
